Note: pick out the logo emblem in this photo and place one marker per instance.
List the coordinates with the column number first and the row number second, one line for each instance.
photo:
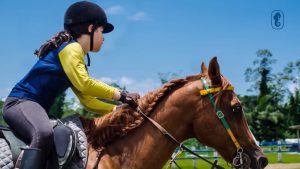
column 277, row 19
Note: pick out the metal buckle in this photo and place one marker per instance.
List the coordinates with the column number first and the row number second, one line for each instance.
column 220, row 114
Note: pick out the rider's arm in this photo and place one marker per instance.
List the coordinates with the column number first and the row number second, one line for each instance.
column 72, row 61
column 92, row 104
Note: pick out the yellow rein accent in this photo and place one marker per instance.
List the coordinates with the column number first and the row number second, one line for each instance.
column 213, row 90
column 233, row 139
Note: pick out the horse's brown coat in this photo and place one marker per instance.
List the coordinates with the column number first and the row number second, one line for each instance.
column 133, row 144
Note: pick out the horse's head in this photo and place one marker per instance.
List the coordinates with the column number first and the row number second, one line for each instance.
column 208, row 127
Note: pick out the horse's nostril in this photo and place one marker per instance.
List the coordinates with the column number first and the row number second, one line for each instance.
column 262, row 162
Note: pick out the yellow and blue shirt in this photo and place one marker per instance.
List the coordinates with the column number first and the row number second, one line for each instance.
column 60, row 69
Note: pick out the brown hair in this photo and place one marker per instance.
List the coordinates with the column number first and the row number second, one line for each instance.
column 53, row 43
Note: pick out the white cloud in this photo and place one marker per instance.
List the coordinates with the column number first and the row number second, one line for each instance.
column 114, row 10
column 126, row 81
column 108, row 80
column 132, row 85
column 119, row 10
column 293, row 87
column 138, row 16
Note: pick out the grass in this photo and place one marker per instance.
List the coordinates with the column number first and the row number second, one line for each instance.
column 272, row 157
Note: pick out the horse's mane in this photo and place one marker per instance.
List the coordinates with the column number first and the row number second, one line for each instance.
column 111, row 126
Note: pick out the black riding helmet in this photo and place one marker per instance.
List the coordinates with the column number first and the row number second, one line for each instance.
column 86, row 12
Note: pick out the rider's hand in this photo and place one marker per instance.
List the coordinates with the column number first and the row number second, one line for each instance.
column 130, row 98
column 120, row 107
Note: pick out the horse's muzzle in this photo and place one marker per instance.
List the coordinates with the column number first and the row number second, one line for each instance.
column 262, row 161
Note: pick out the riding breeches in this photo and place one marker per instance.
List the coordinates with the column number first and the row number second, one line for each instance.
column 30, row 121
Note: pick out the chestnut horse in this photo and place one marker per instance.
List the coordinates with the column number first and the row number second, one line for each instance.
column 183, row 112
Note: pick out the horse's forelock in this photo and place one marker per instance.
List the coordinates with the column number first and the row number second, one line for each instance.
column 225, row 84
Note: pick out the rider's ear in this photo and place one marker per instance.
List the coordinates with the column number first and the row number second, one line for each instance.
column 203, row 68
column 90, row 28
column 214, row 71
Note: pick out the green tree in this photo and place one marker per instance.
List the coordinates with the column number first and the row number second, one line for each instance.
column 248, row 103
column 118, row 86
column 264, row 110
column 165, row 77
column 70, row 107
column 293, row 108
column 261, row 73
column 1, row 113
column 56, row 110
column 291, row 77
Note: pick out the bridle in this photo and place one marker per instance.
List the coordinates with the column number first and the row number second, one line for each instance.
column 241, row 160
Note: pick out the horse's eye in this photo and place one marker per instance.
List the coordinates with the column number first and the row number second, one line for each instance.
column 237, row 108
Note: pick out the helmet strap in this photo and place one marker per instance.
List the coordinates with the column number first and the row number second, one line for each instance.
column 92, row 37
column 91, row 43
column 89, row 61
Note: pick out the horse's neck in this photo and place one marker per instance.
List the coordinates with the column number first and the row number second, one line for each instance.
column 146, row 147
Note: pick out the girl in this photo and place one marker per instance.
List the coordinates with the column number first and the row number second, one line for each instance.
column 61, row 65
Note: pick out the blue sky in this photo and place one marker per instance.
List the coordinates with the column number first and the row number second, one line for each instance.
column 156, row 36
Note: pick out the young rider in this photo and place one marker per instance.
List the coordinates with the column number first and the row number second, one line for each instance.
column 60, row 66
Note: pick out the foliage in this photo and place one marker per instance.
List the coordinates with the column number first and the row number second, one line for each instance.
column 293, row 108
column 261, row 73
column 56, row 109
column 264, row 111
column 277, row 103
column 291, row 78
column 1, row 113
column 165, row 77
column 192, row 143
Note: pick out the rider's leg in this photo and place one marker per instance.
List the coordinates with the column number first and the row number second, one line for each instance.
column 30, row 121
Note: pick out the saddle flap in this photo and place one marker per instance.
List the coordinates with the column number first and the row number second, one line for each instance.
column 62, row 137
column 15, row 143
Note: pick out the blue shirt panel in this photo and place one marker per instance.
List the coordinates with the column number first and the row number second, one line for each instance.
column 45, row 81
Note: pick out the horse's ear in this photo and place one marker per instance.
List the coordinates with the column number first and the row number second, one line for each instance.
column 214, row 71
column 203, row 68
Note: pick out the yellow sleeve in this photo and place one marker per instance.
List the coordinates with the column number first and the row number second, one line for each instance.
column 92, row 104
column 72, row 61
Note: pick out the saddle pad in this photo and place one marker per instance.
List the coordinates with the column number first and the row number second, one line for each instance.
column 5, row 155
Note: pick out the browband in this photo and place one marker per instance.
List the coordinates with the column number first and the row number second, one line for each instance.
column 204, row 92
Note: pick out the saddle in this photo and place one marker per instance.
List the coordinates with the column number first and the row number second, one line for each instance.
column 65, row 144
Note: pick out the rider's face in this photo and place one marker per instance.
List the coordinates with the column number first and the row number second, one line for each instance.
column 98, row 39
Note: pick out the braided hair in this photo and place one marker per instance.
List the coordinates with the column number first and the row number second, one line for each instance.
column 53, row 43
column 70, row 32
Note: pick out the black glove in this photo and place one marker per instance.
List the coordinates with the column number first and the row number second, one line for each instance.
column 130, row 98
